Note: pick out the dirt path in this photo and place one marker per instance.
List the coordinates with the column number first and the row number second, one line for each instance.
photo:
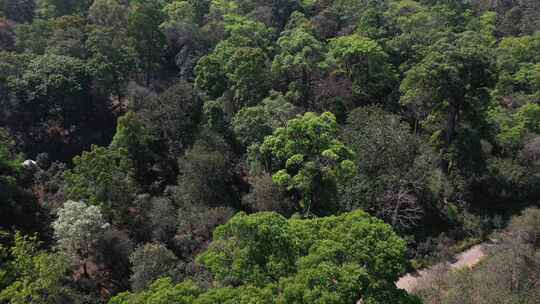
column 468, row 258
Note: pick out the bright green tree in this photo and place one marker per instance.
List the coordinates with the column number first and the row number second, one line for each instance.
column 162, row 291
column 514, row 127
column 518, row 60
column 265, row 252
column 31, row 275
column 326, row 260
column 266, row 259
column 308, row 158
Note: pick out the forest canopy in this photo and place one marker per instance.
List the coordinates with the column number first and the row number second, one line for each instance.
column 276, row 151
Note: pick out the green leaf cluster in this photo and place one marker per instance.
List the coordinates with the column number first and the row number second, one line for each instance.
column 30, row 275
column 266, row 259
column 307, row 155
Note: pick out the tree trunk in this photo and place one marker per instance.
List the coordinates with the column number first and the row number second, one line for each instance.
column 305, row 87
column 451, row 122
column 85, row 271
column 451, row 125
column 396, row 210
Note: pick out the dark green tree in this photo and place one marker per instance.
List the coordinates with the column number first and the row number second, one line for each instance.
column 395, row 168
column 54, row 109
column 366, row 64
column 214, row 71
column 178, row 111
column 248, row 73
column 19, row 208
column 57, row 8
column 252, row 124
column 110, row 14
column 139, row 142
column 112, row 61
column 144, row 20
column 103, row 177
column 451, row 84
column 205, row 173
column 68, row 37
column 296, row 63
column 19, row 10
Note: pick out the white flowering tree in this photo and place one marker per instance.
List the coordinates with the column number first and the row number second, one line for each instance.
column 77, row 229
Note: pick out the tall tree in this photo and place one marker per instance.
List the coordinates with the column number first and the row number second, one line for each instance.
column 394, row 168
column 248, row 73
column 57, row 8
column 326, row 260
column 103, row 177
column 179, row 111
column 112, row 61
column 296, row 63
column 214, row 71
column 139, row 142
column 452, row 83
column 144, row 20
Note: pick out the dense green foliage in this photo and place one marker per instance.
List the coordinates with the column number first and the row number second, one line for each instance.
column 253, row 151
column 269, row 259
column 309, row 159
column 30, row 275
